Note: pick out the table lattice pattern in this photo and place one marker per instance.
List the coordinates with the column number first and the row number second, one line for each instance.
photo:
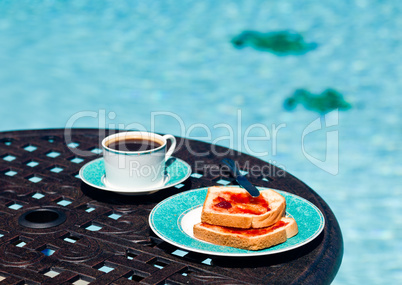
column 106, row 238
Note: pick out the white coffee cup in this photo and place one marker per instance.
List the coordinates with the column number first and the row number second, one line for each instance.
column 136, row 169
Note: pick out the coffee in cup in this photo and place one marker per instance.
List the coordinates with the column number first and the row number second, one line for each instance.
column 136, row 160
column 134, row 144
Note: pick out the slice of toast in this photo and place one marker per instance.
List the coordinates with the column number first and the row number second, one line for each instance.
column 234, row 207
column 250, row 239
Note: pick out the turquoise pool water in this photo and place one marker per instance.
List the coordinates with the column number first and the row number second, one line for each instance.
column 171, row 67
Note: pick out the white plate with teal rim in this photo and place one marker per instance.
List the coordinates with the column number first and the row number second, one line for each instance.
column 93, row 174
column 173, row 219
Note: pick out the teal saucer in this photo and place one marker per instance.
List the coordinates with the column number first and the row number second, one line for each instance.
column 93, row 174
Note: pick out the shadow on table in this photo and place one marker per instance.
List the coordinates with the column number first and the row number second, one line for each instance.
column 275, row 260
column 119, row 199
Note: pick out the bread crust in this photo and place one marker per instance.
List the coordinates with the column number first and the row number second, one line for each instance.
column 291, row 228
column 241, row 238
column 276, row 202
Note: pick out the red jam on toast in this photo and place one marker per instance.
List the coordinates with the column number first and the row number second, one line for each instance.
column 240, row 203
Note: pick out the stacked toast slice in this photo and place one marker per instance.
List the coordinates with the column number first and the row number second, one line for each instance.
column 232, row 217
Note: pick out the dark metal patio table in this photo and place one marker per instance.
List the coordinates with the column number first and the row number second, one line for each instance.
column 39, row 172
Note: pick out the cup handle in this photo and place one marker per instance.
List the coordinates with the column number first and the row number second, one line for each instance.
column 172, row 147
